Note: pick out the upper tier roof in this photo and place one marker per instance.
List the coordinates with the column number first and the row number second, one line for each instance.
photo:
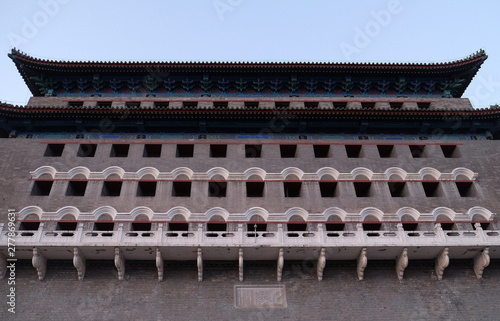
column 55, row 78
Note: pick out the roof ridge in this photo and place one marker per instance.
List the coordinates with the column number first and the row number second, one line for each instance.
column 17, row 53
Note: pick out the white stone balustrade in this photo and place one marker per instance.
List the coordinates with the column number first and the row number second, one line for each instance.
column 239, row 238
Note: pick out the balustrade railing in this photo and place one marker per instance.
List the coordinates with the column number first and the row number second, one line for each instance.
column 281, row 237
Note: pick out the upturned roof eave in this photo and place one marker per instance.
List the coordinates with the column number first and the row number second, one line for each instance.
column 467, row 67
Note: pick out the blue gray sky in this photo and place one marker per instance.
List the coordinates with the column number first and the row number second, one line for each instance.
column 253, row 30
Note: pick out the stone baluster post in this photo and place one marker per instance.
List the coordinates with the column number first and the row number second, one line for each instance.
column 440, row 232
column 480, row 231
column 200, row 233
column 40, row 232
column 159, row 237
column 79, row 233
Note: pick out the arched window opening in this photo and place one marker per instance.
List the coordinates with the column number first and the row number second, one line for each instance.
column 296, row 224
column 217, row 224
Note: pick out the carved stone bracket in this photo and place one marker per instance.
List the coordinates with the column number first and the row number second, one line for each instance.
column 362, row 262
column 120, row 264
column 321, row 264
column 481, row 261
column 442, row 262
column 240, row 262
column 39, row 263
column 79, row 263
column 281, row 262
column 159, row 264
column 402, row 263
column 200, row 265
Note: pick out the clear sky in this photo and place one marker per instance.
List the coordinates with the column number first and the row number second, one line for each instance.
column 253, row 30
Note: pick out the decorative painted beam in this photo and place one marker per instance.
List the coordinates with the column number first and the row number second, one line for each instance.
column 442, row 262
column 79, row 262
column 402, row 263
column 321, row 264
column 159, row 264
column 39, row 263
column 240, row 261
column 362, row 262
column 120, row 264
column 481, row 261
column 281, row 262
column 200, row 265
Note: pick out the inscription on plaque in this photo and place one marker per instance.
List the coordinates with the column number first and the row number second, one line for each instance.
column 260, row 296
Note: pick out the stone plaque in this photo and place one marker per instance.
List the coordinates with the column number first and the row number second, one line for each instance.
column 260, row 296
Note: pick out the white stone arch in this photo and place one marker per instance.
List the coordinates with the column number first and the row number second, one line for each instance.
column 98, row 212
column 395, row 171
column 44, row 170
column 141, row 210
column 217, row 211
column 113, row 170
column 79, row 170
column 408, row 211
column 218, row 173
column 297, row 211
column 292, row 173
column 334, row 211
column 251, row 173
column 371, row 212
column 327, row 171
column 182, row 173
column 363, row 172
column 257, row 211
column 178, row 210
column 462, row 171
column 443, row 211
column 480, row 211
column 145, row 171
column 28, row 210
column 67, row 210
column 429, row 171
